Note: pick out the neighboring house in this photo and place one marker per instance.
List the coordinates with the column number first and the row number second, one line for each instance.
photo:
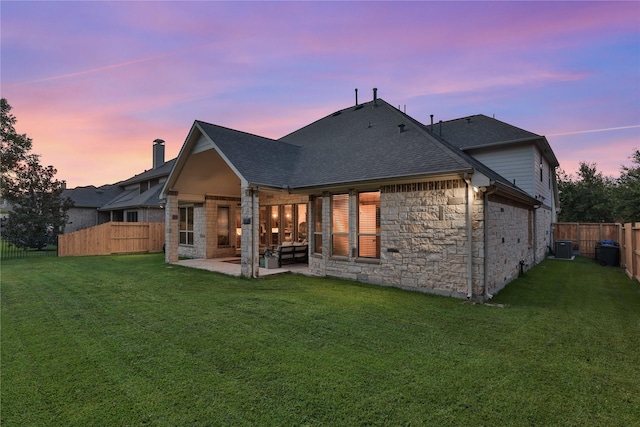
column 136, row 199
column 377, row 196
column 87, row 201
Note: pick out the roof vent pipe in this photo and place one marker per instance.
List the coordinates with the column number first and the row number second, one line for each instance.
column 431, row 122
column 401, row 127
column 375, row 96
column 356, row 97
column 440, row 128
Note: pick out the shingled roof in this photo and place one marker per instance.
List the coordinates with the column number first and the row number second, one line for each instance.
column 371, row 141
column 91, row 196
column 260, row 160
column 364, row 143
column 480, row 131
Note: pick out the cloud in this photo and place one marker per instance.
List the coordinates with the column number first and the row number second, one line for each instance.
column 595, row 130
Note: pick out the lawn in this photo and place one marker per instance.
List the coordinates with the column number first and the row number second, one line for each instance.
column 129, row 340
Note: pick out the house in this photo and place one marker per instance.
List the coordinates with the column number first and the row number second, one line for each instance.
column 136, row 199
column 376, row 195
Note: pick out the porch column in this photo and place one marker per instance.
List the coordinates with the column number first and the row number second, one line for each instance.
column 171, row 230
column 249, row 255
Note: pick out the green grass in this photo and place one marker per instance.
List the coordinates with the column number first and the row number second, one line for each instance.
column 129, row 340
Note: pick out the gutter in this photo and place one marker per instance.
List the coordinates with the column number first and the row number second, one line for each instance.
column 469, row 212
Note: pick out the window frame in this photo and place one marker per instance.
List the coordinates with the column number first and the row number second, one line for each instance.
column 359, row 226
column 221, row 232
column 340, row 234
column 131, row 216
column 317, row 225
column 187, row 231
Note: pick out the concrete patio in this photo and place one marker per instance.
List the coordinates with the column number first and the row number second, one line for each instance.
column 231, row 266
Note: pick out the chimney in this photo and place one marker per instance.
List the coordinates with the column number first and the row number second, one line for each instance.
column 158, row 153
column 375, row 96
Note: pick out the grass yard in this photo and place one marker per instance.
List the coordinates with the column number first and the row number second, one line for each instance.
column 129, row 340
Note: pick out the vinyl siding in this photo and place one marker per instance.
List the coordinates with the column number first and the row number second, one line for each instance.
column 542, row 190
column 513, row 163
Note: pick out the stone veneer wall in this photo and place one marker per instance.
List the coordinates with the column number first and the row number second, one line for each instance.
column 543, row 232
column 172, row 218
column 424, row 244
column 205, row 232
column 510, row 241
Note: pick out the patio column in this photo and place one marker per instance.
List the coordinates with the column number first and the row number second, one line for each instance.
column 171, row 230
column 249, row 254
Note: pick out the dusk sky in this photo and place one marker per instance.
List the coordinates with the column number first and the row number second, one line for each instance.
column 94, row 83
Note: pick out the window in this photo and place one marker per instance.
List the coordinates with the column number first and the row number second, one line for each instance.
column 223, row 226
column 340, row 225
column 275, row 225
column 238, row 228
column 369, row 225
column 132, row 216
column 287, row 223
column 317, row 225
column 263, row 226
column 301, row 219
column 540, row 171
column 186, row 225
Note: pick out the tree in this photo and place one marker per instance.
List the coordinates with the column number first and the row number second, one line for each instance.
column 13, row 146
column 39, row 212
column 627, row 193
column 587, row 198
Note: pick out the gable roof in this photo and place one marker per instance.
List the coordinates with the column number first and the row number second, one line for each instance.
column 480, row 131
column 259, row 160
column 365, row 143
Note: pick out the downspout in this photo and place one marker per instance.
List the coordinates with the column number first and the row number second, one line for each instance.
column 469, row 236
column 255, row 263
column 486, row 242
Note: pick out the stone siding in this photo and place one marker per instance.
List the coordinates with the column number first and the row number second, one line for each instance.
column 543, row 233
column 510, row 241
column 424, row 241
column 172, row 218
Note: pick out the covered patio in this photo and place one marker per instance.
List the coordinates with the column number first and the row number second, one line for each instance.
column 231, row 266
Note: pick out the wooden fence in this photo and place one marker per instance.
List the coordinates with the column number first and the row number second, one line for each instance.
column 630, row 250
column 113, row 238
column 585, row 236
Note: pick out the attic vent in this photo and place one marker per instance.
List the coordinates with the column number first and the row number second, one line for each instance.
column 337, row 113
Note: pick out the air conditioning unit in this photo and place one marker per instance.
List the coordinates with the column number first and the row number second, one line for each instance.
column 564, row 249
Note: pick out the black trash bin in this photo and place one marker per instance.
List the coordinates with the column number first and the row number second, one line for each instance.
column 608, row 253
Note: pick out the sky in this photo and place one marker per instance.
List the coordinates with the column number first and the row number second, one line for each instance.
column 94, row 83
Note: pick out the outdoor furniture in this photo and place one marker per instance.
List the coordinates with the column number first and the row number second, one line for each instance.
column 296, row 252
